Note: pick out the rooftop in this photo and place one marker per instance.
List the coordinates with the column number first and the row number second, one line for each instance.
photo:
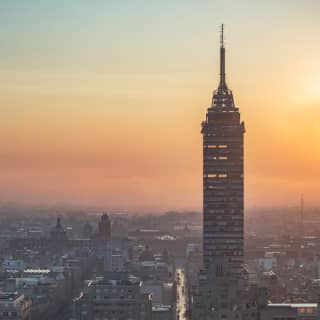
column 294, row 305
column 9, row 295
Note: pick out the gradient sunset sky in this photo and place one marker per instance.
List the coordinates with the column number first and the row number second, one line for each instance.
column 101, row 101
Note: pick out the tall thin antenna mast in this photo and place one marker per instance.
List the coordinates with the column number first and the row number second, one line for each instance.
column 302, row 216
column 222, row 84
column 221, row 37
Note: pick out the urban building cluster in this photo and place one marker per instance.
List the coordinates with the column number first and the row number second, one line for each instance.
column 123, row 268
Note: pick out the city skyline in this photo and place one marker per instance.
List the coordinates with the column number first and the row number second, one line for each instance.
column 85, row 122
column 121, row 122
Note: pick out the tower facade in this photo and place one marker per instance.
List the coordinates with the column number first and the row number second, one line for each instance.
column 223, row 186
column 103, row 234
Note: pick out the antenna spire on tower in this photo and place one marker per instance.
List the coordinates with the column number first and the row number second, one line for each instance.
column 221, row 38
column 302, row 216
column 222, row 84
column 222, row 97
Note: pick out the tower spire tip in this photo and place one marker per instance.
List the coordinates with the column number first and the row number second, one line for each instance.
column 221, row 38
column 222, row 62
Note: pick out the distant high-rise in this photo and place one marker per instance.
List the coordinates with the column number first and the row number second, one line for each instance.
column 103, row 234
column 223, row 194
column 58, row 233
column 302, row 217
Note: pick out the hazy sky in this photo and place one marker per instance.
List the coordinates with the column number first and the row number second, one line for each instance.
column 101, row 101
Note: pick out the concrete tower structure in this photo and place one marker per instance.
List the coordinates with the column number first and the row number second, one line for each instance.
column 223, row 194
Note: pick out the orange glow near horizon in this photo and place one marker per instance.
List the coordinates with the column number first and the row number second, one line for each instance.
column 119, row 126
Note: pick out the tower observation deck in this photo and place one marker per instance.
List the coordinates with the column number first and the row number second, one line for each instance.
column 223, row 187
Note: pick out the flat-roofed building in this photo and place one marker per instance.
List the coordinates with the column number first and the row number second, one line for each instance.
column 115, row 296
column 290, row 311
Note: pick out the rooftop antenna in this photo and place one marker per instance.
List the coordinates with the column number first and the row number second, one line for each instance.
column 302, row 215
column 221, row 36
column 222, row 84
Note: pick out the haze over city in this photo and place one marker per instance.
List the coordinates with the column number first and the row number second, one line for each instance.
column 102, row 101
column 159, row 160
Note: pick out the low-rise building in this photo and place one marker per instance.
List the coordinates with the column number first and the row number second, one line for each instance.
column 292, row 311
column 162, row 312
column 114, row 296
column 14, row 306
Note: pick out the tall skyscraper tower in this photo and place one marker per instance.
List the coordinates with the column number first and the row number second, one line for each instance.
column 223, row 290
column 223, row 194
